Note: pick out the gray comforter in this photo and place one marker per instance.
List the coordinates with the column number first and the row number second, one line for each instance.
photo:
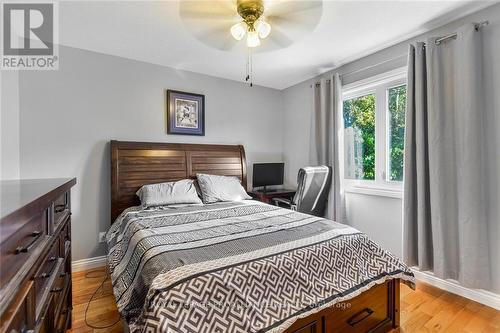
column 237, row 267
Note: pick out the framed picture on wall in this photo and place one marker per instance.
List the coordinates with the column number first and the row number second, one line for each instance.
column 185, row 113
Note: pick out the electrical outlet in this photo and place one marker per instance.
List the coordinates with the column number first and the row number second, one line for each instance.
column 102, row 237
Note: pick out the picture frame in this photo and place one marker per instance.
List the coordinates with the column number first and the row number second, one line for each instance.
column 185, row 113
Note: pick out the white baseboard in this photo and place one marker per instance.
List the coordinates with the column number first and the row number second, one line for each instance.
column 89, row 263
column 479, row 295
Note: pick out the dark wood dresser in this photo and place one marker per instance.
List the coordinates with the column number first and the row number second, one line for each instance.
column 35, row 255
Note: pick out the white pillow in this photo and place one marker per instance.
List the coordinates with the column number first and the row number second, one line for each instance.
column 171, row 193
column 221, row 188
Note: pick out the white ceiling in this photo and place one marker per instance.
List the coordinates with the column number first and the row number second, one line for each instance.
column 153, row 32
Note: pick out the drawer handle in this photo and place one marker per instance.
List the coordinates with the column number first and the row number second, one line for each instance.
column 46, row 275
column 24, row 249
column 56, row 290
column 360, row 316
column 59, row 208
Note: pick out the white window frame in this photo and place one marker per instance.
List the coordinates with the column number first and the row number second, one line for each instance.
column 378, row 85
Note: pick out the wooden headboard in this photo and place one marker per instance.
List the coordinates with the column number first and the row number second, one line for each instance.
column 134, row 164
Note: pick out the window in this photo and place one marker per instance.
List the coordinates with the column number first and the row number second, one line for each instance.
column 374, row 124
column 359, row 137
column 396, row 98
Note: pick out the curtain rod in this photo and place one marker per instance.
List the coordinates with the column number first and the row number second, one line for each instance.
column 368, row 67
column 318, row 84
column 437, row 41
column 374, row 65
column 477, row 26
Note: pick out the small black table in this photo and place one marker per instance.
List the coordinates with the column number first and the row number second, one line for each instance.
column 268, row 196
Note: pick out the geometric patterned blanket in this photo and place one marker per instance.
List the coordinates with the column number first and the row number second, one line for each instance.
column 237, row 267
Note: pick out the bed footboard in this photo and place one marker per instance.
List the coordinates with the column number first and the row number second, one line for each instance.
column 375, row 310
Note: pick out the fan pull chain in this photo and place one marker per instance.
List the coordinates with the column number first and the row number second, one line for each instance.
column 251, row 68
column 249, row 76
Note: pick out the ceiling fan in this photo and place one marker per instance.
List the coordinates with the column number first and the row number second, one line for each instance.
column 263, row 25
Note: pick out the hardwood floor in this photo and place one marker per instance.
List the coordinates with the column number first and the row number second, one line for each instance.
column 102, row 311
column 427, row 309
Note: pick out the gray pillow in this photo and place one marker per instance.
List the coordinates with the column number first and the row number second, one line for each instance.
column 170, row 193
column 221, row 188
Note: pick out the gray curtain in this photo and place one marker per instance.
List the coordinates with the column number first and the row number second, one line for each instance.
column 445, row 222
column 325, row 143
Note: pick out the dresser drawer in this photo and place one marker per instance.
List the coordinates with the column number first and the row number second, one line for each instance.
column 61, row 210
column 64, row 237
column 313, row 327
column 62, row 302
column 16, row 250
column 361, row 314
column 45, row 322
column 46, row 274
column 63, row 321
column 44, row 308
column 18, row 317
column 59, row 290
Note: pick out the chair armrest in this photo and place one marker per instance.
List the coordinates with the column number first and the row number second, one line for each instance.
column 285, row 202
column 277, row 201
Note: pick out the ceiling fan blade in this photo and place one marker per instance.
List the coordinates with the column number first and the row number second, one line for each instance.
column 295, row 24
column 279, row 38
column 207, row 10
column 218, row 37
column 289, row 26
column 303, row 20
column 286, row 8
column 210, row 21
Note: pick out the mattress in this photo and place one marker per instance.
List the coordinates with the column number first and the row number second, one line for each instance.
column 237, row 267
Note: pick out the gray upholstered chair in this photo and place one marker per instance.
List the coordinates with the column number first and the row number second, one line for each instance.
column 312, row 191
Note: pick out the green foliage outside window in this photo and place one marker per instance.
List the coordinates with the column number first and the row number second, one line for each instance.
column 359, row 124
column 359, row 113
column 397, row 110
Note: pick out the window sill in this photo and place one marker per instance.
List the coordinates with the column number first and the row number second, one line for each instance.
column 376, row 191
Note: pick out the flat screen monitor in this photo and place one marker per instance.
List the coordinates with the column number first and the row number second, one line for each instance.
column 267, row 174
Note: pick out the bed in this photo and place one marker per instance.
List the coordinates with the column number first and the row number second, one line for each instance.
column 237, row 266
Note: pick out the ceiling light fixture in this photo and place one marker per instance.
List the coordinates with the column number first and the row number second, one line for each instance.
column 250, row 25
column 253, row 24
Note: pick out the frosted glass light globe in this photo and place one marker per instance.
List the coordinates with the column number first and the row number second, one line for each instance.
column 263, row 28
column 238, row 30
column 253, row 39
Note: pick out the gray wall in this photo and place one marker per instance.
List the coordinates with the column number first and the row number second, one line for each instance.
column 297, row 105
column 68, row 116
column 374, row 214
column 9, row 125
